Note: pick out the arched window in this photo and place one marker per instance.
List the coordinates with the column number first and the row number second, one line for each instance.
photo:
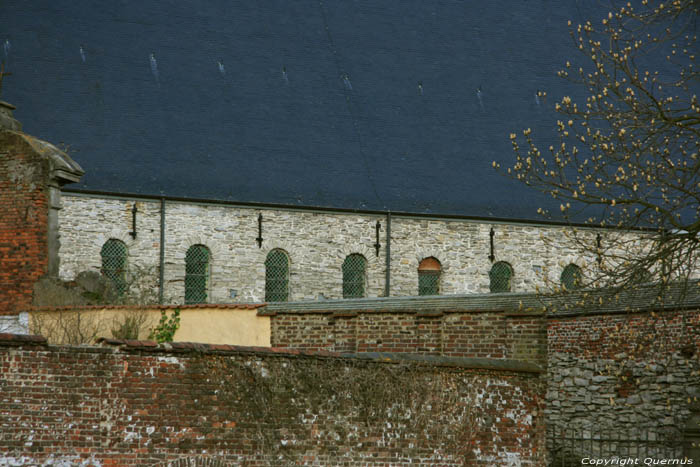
column 429, row 276
column 500, row 277
column 641, row 276
column 571, row 277
column 196, row 274
column 277, row 276
column 354, row 268
column 114, row 263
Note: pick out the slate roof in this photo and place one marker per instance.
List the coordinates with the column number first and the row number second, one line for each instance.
column 361, row 104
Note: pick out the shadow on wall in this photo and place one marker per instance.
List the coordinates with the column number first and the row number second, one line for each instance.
column 133, row 286
column 88, row 288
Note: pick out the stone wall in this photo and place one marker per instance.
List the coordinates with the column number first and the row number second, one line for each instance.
column 624, row 373
column 463, row 249
column 316, row 242
column 133, row 403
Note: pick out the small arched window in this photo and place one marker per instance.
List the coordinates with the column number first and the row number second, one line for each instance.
column 114, row 263
column 500, row 277
column 196, row 274
column 354, row 271
column 571, row 277
column 641, row 276
column 277, row 276
column 429, row 276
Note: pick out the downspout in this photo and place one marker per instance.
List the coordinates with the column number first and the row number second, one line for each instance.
column 387, row 280
column 161, row 272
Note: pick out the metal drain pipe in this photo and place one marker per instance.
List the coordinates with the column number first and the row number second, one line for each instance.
column 161, row 272
column 387, row 280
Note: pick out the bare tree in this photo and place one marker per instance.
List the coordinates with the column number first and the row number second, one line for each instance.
column 69, row 322
column 627, row 155
column 72, row 327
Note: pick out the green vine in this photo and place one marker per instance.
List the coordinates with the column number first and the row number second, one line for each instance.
column 426, row 409
column 166, row 328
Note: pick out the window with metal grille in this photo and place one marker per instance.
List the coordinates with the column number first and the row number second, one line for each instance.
column 277, row 276
column 641, row 276
column 500, row 277
column 354, row 268
column 571, row 277
column 114, row 263
column 196, row 274
column 429, row 276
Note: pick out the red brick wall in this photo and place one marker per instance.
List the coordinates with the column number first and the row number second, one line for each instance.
column 643, row 368
column 640, row 335
column 140, row 405
column 456, row 334
column 23, row 221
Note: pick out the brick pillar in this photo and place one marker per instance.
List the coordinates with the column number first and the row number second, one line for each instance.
column 31, row 174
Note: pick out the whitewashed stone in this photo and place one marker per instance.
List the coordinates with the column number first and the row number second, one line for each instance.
column 316, row 242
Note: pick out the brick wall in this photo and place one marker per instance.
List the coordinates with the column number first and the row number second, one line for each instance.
column 137, row 404
column 24, row 204
column 627, row 370
column 487, row 334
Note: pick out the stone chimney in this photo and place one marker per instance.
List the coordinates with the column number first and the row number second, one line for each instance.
column 7, row 121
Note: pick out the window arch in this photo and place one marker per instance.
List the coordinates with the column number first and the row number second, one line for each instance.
column 641, row 276
column 500, row 277
column 277, row 276
column 571, row 277
column 354, row 272
column 429, row 271
column 197, row 274
column 113, row 255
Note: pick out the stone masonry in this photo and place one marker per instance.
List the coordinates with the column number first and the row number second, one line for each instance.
column 596, row 364
column 317, row 242
column 635, row 375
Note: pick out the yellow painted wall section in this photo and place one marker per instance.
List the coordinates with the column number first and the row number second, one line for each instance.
column 224, row 326
column 216, row 325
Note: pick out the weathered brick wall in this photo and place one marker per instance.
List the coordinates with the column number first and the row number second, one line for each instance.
column 317, row 244
column 491, row 334
column 133, row 404
column 24, row 207
column 640, row 370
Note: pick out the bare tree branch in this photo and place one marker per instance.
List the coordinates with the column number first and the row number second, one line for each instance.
column 630, row 151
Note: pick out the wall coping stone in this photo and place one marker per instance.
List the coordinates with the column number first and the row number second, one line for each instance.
column 120, row 345
column 642, row 299
column 208, row 306
column 426, row 305
column 513, row 305
column 9, row 340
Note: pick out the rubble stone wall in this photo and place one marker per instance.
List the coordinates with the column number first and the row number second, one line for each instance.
column 316, row 242
column 624, row 371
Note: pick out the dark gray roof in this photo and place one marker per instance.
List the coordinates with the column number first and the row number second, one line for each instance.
column 361, row 104
column 525, row 302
